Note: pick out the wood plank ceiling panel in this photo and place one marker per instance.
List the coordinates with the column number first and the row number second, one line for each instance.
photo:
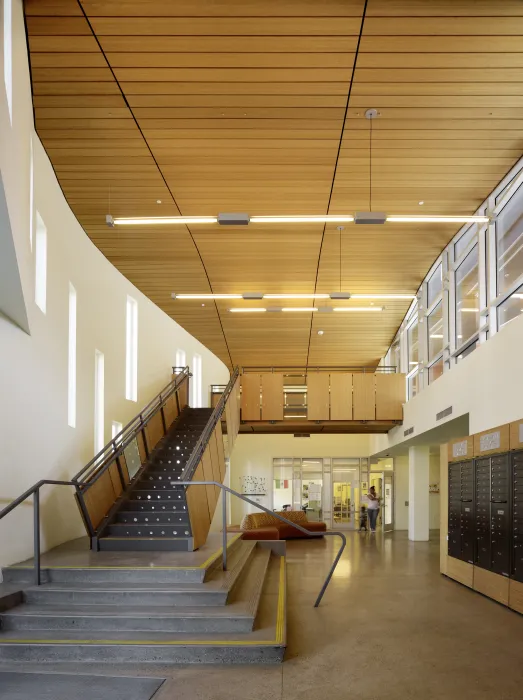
column 241, row 105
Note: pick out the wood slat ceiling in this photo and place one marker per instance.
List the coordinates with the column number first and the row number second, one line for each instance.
column 256, row 106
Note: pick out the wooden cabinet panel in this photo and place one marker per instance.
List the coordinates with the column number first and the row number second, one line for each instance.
column 516, row 435
column 515, row 595
column 461, row 448
column 390, row 396
column 364, row 398
column 492, row 585
column 460, row 571
column 250, row 401
column 341, row 396
column 272, row 396
column 492, row 441
column 318, row 396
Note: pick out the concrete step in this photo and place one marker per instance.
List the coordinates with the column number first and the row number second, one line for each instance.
column 139, row 572
column 149, row 518
column 238, row 616
column 145, row 544
column 147, row 530
column 264, row 644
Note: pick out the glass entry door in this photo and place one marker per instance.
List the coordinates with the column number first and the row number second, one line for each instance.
column 345, row 493
column 388, row 502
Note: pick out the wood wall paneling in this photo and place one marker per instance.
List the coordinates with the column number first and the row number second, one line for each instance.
column 341, row 396
column 272, row 396
column 221, row 452
column 250, row 397
column 516, row 435
column 460, row 571
column 364, row 397
column 99, row 498
column 209, row 475
column 515, row 595
column 154, row 431
column 461, row 448
column 198, row 509
column 390, row 396
column 500, row 437
column 318, row 396
column 216, row 468
column 492, row 585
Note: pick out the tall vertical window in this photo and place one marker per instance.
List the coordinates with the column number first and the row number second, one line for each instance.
column 395, row 355
column 467, row 297
column 197, row 381
column 71, row 365
column 41, row 264
column 434, row 285
column 8, row 56
column 180, row 358
column 31, row 193
column 509, row 242
column 99, row 418
column 131, row 350
column 116, row 428
column 435, row 331
column 413, row 346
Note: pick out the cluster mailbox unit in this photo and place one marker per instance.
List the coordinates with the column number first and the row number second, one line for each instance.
column 485, row 513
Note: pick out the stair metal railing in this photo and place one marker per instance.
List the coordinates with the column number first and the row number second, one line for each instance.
column 273, row 514
column 97, row 466
column 34, row 491
column 203, row 440
column 109, row 455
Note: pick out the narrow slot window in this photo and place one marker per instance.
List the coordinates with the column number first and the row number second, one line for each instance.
column 41, row 264
column 8, row 56
column 131, row 351
column 71, row 367
column 197, row 381
column 98, row 401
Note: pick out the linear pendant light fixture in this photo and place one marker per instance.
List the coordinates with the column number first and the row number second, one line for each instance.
column 250, row 296
column 306, row 309
column 359, row 218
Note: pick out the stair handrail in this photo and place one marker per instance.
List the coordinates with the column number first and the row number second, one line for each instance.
column 202, row 442
column 94, row 469
column 273, row 514
column 34, row 491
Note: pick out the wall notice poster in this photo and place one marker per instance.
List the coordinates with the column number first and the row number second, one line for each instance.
column 281, row 483
column 253, row 485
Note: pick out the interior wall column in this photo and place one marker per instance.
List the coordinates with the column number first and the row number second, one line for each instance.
column 419, row 493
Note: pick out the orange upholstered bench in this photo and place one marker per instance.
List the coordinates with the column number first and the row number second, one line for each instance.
column 262, row 526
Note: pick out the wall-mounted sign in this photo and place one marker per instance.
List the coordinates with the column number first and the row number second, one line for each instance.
column 490, row 441
column 459, row 449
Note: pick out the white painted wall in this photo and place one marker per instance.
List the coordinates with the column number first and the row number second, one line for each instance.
column 35, row 440
column 401, row 482
column 487, row 385
column 253, row 455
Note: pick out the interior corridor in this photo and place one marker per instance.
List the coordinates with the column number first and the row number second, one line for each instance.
column 390, row 626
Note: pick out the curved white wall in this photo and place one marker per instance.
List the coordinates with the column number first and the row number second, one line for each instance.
column 35, row 439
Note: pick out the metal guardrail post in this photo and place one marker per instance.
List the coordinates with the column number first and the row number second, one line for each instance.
column 224, row 530
column 328, row 533
column 36, row 516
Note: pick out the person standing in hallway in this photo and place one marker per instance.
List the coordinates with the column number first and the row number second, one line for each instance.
column 373, row 508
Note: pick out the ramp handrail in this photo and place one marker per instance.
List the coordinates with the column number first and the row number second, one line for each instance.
column 273, row 514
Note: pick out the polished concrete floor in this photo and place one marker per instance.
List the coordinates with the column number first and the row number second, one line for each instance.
column 390, row 627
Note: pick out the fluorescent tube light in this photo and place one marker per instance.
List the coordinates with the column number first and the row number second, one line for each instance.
column 358, row 308
column 436, row 335
column 470, row 311
column 166, row 220
column 206, row 296
column 438, row 219
column 247, row 311
column 383, row 296
column 299, row 219
column 299, row 308
column 295, row 296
